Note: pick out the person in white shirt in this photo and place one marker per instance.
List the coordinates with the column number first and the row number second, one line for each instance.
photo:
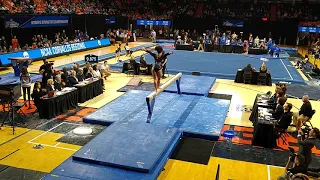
column 153, row 36
column 105, row 70
column 96, row 72
column 127, row 48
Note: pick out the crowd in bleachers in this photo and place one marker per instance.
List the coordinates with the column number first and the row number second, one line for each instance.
column 41, row 41
column 146, row 9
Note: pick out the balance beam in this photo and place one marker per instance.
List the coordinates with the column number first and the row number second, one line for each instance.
column 151, row 96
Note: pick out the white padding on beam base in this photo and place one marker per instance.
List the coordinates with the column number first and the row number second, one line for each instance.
column 163, row 87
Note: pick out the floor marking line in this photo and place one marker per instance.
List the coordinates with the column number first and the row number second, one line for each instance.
column 45, row 132
column 9, row 154
column 53, row 146
column 57, row 144
column 286, row 69
column 269, row 176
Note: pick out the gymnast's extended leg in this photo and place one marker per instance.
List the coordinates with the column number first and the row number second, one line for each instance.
column 154, row 75
column 159, row 76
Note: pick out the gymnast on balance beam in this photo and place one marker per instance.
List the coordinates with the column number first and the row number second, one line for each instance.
column 160, row 61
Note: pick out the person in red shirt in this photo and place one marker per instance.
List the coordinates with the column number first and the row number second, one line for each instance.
column 15, row 43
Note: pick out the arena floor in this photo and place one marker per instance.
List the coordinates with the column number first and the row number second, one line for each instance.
column 193, row 159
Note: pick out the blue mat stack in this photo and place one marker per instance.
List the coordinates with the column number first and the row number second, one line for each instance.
column 132, row 149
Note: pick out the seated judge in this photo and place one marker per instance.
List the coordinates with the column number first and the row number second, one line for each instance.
column 96, row 72
column 89, row 73
column 58, row 82
column 64, row 76
column 80, row 75
column 50, row 85
column 285, row 118
column 263, row 68
column 248, row 69
column 72, row 78
column 279, row 108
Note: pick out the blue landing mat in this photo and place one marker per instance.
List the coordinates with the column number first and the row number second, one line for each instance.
column 82, row 170
column 131, row 146
column 198, row 115
column 287, row 49
column 144, row 86
column 193, row 85
column 118, row 109
column 297, row 91
column 9, row 78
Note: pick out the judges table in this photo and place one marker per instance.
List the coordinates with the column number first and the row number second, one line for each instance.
column 257, row 51
column 223, row 48
column 254, row 77
column 264, row 126
column 89, row 89
column 58, row 104
column 186, row 47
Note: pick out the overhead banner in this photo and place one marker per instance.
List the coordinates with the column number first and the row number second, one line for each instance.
column 309, row 29
column 53, row 51
column 35, row 21
column 233, row 23
column 154, row 23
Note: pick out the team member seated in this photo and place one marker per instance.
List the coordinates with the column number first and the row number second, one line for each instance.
column 279, row 108
column 57, row 83
column 72, row 78
column 285, row 118
column 304, row 114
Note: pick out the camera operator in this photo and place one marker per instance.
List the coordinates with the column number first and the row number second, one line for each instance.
column 297, row 168
column 46, row 70
column 306, row 144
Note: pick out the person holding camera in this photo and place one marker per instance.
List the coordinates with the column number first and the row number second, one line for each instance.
column 297, row 170
column 306, row 144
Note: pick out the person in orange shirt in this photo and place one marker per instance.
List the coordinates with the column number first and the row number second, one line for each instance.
column 15, row 43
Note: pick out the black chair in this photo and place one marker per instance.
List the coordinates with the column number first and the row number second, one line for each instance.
column 309, row 120
column 143, row 67
column 132, row 68
column 262, row 78
column 247, row 77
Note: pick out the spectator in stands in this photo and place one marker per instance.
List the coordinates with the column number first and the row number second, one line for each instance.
column 304, row 114
column 15, row 43
column 25, row 80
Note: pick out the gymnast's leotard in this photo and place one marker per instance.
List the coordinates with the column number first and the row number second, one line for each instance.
column 158, row 60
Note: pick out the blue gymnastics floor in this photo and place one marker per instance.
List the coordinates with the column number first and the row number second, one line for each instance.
column 193, row 85
column 198, row 116
column 107, row 56
column 222, row 65
column 72, row 169
column 131, row 146
column 9, row 78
